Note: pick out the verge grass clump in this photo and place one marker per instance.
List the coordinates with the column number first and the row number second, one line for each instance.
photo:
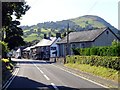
column 106, row 73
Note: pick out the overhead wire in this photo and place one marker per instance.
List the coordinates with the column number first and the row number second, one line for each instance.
column 91, row 8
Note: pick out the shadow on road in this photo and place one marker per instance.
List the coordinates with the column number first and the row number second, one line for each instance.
column 24, row 83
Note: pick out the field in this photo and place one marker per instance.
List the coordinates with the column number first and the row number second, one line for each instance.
column 30, row 36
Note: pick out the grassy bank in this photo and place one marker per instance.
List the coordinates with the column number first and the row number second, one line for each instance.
column 106, row 73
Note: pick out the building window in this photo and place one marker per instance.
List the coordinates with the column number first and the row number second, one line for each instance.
column 73, row 46
column 83, row 45
column 53, row 48
column 107, row 32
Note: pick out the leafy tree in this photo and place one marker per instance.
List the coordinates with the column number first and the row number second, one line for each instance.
column 76, row 51
column 4, row 48
column 10, row 27
column 38, row 32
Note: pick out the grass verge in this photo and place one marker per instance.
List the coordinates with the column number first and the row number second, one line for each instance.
column 106, row 73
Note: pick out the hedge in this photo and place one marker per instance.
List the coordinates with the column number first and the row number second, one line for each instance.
column 113, row 50
column 104, row 61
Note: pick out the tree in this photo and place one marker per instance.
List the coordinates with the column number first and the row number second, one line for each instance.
column 4, row 48
column 38, row 31
column 10, row 27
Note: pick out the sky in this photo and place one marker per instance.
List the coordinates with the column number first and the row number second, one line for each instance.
column 57, row 10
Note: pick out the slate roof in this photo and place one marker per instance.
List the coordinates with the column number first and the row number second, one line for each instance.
column 46, row 42
column 83, row 36
column 18, row 50
column 28, row 48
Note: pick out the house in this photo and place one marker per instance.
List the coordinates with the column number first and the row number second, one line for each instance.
column 27, row 52
column 46, row 48
column 18, row 53
column 88, row 38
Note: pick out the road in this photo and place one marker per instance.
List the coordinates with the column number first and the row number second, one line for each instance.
column 38, row 74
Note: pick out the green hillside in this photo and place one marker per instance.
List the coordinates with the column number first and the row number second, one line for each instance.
column 34, row 34
column 87, row 22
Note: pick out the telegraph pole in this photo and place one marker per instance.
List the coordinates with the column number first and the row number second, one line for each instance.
column 68, row 48
column 67, row 44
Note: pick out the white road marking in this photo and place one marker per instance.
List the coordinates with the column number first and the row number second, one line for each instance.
column 41, row 71
column 46, row 77
column 54, row 86
column 82, row 77
column 11, row 79
column 38, row 68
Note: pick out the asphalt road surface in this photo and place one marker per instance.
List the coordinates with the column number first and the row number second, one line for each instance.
column 38, row 74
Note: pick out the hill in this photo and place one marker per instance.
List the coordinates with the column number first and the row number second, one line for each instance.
column 86, row 22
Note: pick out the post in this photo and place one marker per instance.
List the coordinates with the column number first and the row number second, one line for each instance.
column 1, row 45
column 68, row 48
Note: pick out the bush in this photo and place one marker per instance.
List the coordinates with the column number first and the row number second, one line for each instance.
column 93, row 51
column 76, row 51
column 7, row 68
column 87, row 51
column 4, row 48
column 8, row 64
column 105, row 61
column 113, row 50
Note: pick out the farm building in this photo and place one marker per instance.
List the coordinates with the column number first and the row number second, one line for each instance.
column 87, row 38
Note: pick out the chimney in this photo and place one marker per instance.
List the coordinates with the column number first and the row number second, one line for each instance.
column 45, row 36
column 58, row 35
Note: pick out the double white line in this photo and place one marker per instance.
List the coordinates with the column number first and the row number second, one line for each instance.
column 6, row 85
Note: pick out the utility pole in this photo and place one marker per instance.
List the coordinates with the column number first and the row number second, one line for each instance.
column 68, row 48
column 67, row 44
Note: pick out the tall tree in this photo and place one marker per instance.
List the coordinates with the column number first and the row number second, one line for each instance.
column 11, row 27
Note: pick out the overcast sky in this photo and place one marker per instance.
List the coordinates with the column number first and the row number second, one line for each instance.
column 57, row 10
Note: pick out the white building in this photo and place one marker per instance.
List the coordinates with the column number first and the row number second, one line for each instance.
column 46, row 48
column 18, row 53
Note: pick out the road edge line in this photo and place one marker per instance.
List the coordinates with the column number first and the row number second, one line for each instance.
column 82, row 77
column 55, row 87
column 9, row 81
column 46, row 77
column 13, row 78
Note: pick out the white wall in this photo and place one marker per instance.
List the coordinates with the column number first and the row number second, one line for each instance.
column 57, row 48
column 18, row 53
